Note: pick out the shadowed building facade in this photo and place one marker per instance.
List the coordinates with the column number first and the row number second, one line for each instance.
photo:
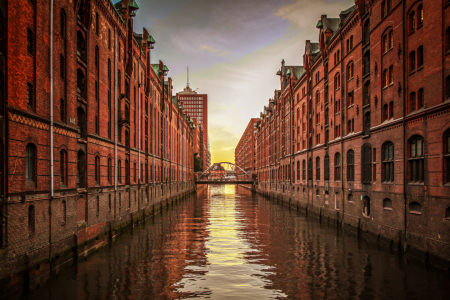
column 92, row 139
column 245, row 152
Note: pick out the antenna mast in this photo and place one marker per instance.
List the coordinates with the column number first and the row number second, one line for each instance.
column 187, row 77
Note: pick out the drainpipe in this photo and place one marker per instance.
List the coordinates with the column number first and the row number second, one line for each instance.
column 52, row 187
column 139, row 122
column 153, row 137
column 405, row 166
column 115, row 108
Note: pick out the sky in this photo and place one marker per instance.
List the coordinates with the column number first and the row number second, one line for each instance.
column 233, row 49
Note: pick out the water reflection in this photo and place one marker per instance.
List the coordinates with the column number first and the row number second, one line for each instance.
column 227, row 244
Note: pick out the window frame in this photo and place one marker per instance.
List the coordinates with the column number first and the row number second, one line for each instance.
column 388, row 162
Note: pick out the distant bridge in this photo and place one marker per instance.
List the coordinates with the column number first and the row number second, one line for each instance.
column 225, row 173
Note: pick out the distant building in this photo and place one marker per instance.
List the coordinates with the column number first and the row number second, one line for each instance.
column 196, row 106
column 244, row 154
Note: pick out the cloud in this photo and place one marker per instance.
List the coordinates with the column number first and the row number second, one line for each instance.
column 210, row 48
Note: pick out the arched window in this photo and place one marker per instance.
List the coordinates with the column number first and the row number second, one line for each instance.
column 416, row 159
column 317, row 97
column 415, row 208
column 388, row 162
column 62, row 23
column 366, row 93
column 30, row 41
column 387, row 204
column 350, row 71
column 391, row 110
column 63, row 167
column 447, row 155
column 30, row 96
column 412, row 101
column 109, row 171
column 304, row 170
column 366, row 32
column 97, row 169
column 298, row 170
column 30, row 163
column 31, row 219
column 391, row 74
column 420, row 15
column 350, row 198
column 97, row 24
column 391, row 39
column 412, row 61
column 317, row 168
column 337, row 81
column 385, row 43
column 350, row 165
column 351, row 42
column 385, row 78
column 420, row 57
column 337, row 166
column 366, row 164
column 412, row 21
column 366, row 206
column 420, row 99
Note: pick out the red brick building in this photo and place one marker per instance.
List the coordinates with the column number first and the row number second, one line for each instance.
column 196, row 105
column 91, row 137
column 244, row 154
column 360, row 133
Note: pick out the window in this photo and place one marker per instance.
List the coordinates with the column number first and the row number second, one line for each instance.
column 30, row 164
column 337, row 166
column 31, row 219
column 97, row 59
column 447, row 155
column 109, row 38
column 412, row 61
column 30, row 96
column 98, row 205
column 447, row 87
column 385, row 78
column 386, row 43
column 412, row 21
column 317, row 97
column 350, row 198
column 110, row 171
column 420, row 15
column 97, row 24
column 366, row 206
column 416, row 159
column 310, row 175
column 415, row 208
column 389, row 5
column 63, row 167
column 304, row 170
column 62, row 23
column 317, row 168
column 350, row 165
column 391, row 39
column 350, row 71
column 366, row 62
column 350, row 99
column 366, row 32
column 412, row 101
column 367, row 123
column 388, row 162
column 62, row 67
column 348, row 45
column 97, row 169
column 351, row 42
column 387, row 204
column 119, row 171
column 30, row 41
column 447, row 213
column 391, row 110
column 383, row 9
column 298, row 170
column 420, row 57
column 337, row 81
column 391, row 74
column 420, row 99
column 366, row 164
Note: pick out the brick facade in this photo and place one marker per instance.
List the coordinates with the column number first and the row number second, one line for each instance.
column 360, row 133
column 122, row 146
column 244, row 154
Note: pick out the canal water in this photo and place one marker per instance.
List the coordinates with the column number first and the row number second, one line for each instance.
column 226, row 243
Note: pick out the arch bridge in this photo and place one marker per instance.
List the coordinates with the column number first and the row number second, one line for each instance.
column 224, row 173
